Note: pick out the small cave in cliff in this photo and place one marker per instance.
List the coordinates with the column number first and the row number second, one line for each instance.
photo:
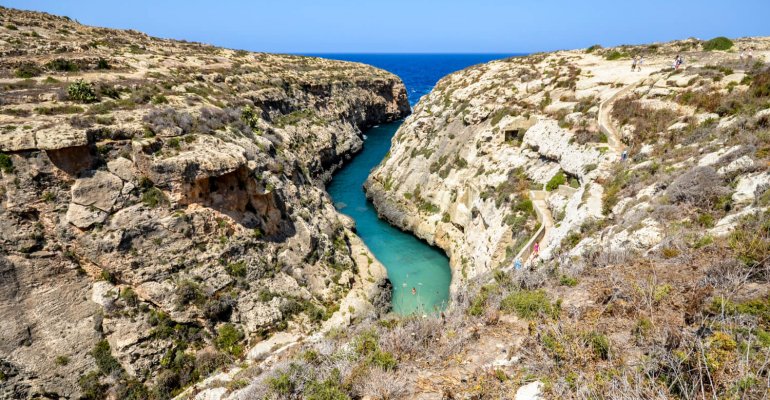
column 514, row 135
column 238, row 195
column 73, row 160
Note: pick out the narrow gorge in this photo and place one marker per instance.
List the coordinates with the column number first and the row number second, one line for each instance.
column 183, row 221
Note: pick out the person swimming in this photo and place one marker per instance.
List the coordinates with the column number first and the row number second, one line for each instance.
column 414, row 291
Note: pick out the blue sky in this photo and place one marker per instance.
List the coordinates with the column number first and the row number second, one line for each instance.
column 429, row 26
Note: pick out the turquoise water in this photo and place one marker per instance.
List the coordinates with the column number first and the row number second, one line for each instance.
column 411, row 263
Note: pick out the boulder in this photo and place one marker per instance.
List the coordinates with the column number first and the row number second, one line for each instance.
column 741, row 164
column 84, row 217
column 748, row 185
column 101, row 190
column 530, row 391
column 679, row 126
column 123, row 168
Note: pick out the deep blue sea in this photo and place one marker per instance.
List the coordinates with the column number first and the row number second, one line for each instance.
column 420, row 72
column 420, row 273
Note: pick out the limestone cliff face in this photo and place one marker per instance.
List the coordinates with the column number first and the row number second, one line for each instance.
column 494, row 141
column 167, row 198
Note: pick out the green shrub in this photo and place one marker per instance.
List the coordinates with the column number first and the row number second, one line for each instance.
column 6, row 164
column 383, row 360
column 103, row 64
column 228, row 340
column 129, row 296
column 558, row 179
column 104, row 359
column 153, row 197
column 529, row 304
column 62, row 65
column 718, row 43
column 478, row 304
column 594, row 48
column 568, row 281
column 614, row 55
column 62, row 360
column 131, row 389
column 26, row 71
column 329, row 389
column 281, row 384
column 91, row 387
column 174, row 143
column 159, row 99
column 82, row 91
column 57, row 110
column 600, row 345
column 250, row 117
column 760, row 84
column 189, row 292
column 237, row 269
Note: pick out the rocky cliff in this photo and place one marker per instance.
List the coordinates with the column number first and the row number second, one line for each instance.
column 652, row 275
column 162, row 205
column 467, row 170
column 648, row 193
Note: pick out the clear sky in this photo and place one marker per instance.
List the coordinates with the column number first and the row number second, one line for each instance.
column 428, row 26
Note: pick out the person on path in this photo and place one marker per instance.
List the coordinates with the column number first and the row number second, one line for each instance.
column 536, row 250
column 639, row 63
column 751, row 55
column 633, row 64
column 743, row 55
column 624, row 156
column 678, row 61
column 517, row 264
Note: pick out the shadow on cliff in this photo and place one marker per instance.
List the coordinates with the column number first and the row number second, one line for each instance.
column 238, row 195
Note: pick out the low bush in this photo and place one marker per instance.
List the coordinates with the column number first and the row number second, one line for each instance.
column 103, row 64
column 167, row 118
column 751, row 240
column 559, row 179
column 529, row 304
column 600, row 345
column 237, row 269
column 229, row 340
column 189, row 292
column 615, row 55
column 647, row 122
column 154, row 197
column 28, row 70
column 104, row 359
column 594, row 48
column 62, row 65
column 6, row 164
column 57, row 110
column 760, row 84
column 82, row 91
column 699, row 186
column 718, row 43
column 91, row 387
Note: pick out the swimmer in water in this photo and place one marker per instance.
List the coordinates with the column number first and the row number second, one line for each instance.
column 414, row 291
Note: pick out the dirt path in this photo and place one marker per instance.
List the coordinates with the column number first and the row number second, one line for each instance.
column 545, row 219
column 539, row 197
column 605, row 119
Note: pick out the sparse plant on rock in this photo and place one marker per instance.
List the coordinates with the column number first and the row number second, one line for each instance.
column 82, row 91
